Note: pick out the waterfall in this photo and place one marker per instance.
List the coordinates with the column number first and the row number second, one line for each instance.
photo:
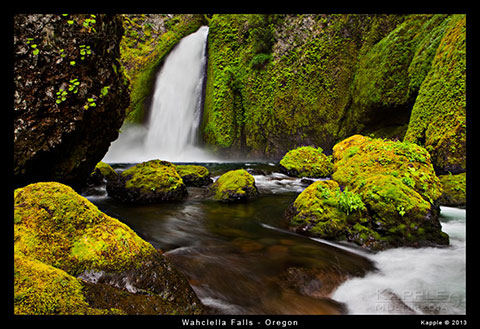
column 171, row 132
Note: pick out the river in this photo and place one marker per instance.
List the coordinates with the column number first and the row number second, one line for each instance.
column 241, row 258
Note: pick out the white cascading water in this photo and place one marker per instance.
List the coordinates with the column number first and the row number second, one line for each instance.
column 414, row 281
column 172, row 129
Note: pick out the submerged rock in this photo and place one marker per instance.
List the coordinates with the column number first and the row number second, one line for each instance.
column 306, row 161
column 389, row 197
column 193, row 175
column 235, row 186
column 62, row 240
column 148, row 182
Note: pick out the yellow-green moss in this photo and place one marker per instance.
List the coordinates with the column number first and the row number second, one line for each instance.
column 358, row 158
column 454, row 190
column 235, row 185
column 105, row 170
column 306, row 161
column 324, row 210
column 154, row 175
column 194, row 175
column 41, row 289
column 438, row 118
column 58, row 227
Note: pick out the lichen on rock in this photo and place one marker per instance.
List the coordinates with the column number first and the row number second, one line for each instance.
column 234, row 186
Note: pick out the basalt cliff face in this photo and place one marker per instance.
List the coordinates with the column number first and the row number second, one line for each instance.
column 276, row 82
column 70, row 95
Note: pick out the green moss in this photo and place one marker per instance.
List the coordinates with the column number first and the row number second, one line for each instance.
column 154, row 175
column 194, row 175
column 235, row 186
column 58, row 227
column 323, row 210
column 41, row 289
column 358, row 158
column 454, row 190
column 306, row 161
column 103, row 169
column 271, row 101
column 438, row 120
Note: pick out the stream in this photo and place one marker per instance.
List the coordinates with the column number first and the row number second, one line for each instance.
column 241, row 258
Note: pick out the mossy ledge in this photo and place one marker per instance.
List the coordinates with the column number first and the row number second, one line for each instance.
column 62, row 240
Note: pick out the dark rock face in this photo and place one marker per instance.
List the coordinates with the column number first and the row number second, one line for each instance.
column 70, row 95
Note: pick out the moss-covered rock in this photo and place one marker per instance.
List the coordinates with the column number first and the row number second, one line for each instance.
column 148, row 182
column 358, row 158
column 194, row 175
column 438, row 120
column 62, row 239
column 389, row 197
column 276, row 82
column 234, row 186
column 41, row 289
column 322, row 209
column 306, row 161
column 454, row 190
column 102, row 173
column 63, row 229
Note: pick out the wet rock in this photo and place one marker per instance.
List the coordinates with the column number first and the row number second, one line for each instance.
column 102, row 173
column 70, row 95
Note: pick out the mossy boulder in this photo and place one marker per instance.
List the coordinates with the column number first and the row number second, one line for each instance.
column 454, row 190
column 62, row 240
column 194, row 175
column 148, row 182
column 358, row 158
column 102, row 173
column 322, row 209
column 43, row 289
column 306, row 161
column 384, row 194
column 234, row 186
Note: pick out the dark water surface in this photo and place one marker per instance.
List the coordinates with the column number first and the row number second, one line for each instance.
column 239, row 258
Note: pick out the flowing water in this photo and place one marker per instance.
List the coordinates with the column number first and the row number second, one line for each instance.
column 171, row 131
column 241, row 258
